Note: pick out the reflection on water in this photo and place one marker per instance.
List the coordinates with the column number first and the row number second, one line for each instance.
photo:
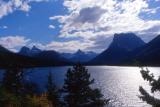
column 120, row 84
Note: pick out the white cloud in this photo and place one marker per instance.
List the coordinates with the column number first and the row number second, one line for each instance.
column 93, row 15
column 69, row 46
column 89, row 19
column 51, row 27
column 9, row 6
column 93, row 21
column 3, row 27
column 89, row 15
column 38, row 45
column 13, row 42
column 65, row 46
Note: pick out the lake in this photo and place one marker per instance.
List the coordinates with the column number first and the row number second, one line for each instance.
column 120, row 84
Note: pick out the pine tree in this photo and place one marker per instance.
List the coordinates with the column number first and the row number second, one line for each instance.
column 13, row 80
column 52, row 92
column 77, row 89
column 155, row 86
column 16, row 88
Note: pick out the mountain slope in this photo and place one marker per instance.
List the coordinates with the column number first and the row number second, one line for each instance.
column 10, row 59
column 29, row 52
column 51, row 57
column 149, row 54
column 79, row 56
column 120, row 47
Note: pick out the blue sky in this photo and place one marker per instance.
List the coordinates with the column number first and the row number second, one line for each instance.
column 69, row 25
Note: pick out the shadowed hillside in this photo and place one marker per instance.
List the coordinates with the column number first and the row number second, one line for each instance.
column 120, row 47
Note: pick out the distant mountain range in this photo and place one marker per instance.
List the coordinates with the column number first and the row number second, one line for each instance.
column 50, row 56
column 80, row 56
column 9, row 59
column 125, row 49
column 56, row 57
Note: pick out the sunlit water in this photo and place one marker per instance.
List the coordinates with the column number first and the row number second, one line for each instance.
column 120, row 84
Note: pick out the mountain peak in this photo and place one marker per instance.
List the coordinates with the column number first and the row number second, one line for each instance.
column 79, row 51
column 29, row 52
column 128, row 41
column 124, row 34
column 34, row 48
column 119, row 49
column 24, row 51
column 79, row 56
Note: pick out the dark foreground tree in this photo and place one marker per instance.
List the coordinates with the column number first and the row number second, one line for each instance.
column 14, row 89
column 13, row 80
column 52, row 92
column 155, row 86
column 77, row 89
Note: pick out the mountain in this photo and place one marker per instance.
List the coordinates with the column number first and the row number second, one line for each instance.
column 79, row 56
column 35, row 51
column 24, row 51
column 125, row 49
column 51, row 57
column 67, row 55
column 29, row 52
column 149, row 54
column 10, row 59
column 127, row 41
column 119, row 49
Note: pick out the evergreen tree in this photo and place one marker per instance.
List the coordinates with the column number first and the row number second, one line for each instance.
column 13, row 80
column 155, row 86
column 52, row 92
column 16, row 88
column 77, row 89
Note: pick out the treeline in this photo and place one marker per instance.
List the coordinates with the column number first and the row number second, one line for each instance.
column 16, row 91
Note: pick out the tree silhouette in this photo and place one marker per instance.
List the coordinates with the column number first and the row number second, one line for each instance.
column 155, row 86
column 13, row 80
column 52, row 92
column 14, row 89
column 77, row 89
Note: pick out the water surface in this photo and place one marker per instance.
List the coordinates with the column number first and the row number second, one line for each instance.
column 120, row 84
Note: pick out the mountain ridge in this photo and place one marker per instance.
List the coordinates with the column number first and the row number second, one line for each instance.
column 125, row 49
column 149, row 54
column 120, row 47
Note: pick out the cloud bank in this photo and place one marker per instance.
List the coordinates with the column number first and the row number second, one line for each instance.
column 90, row 24
column 13, row 42
column 92, row 20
